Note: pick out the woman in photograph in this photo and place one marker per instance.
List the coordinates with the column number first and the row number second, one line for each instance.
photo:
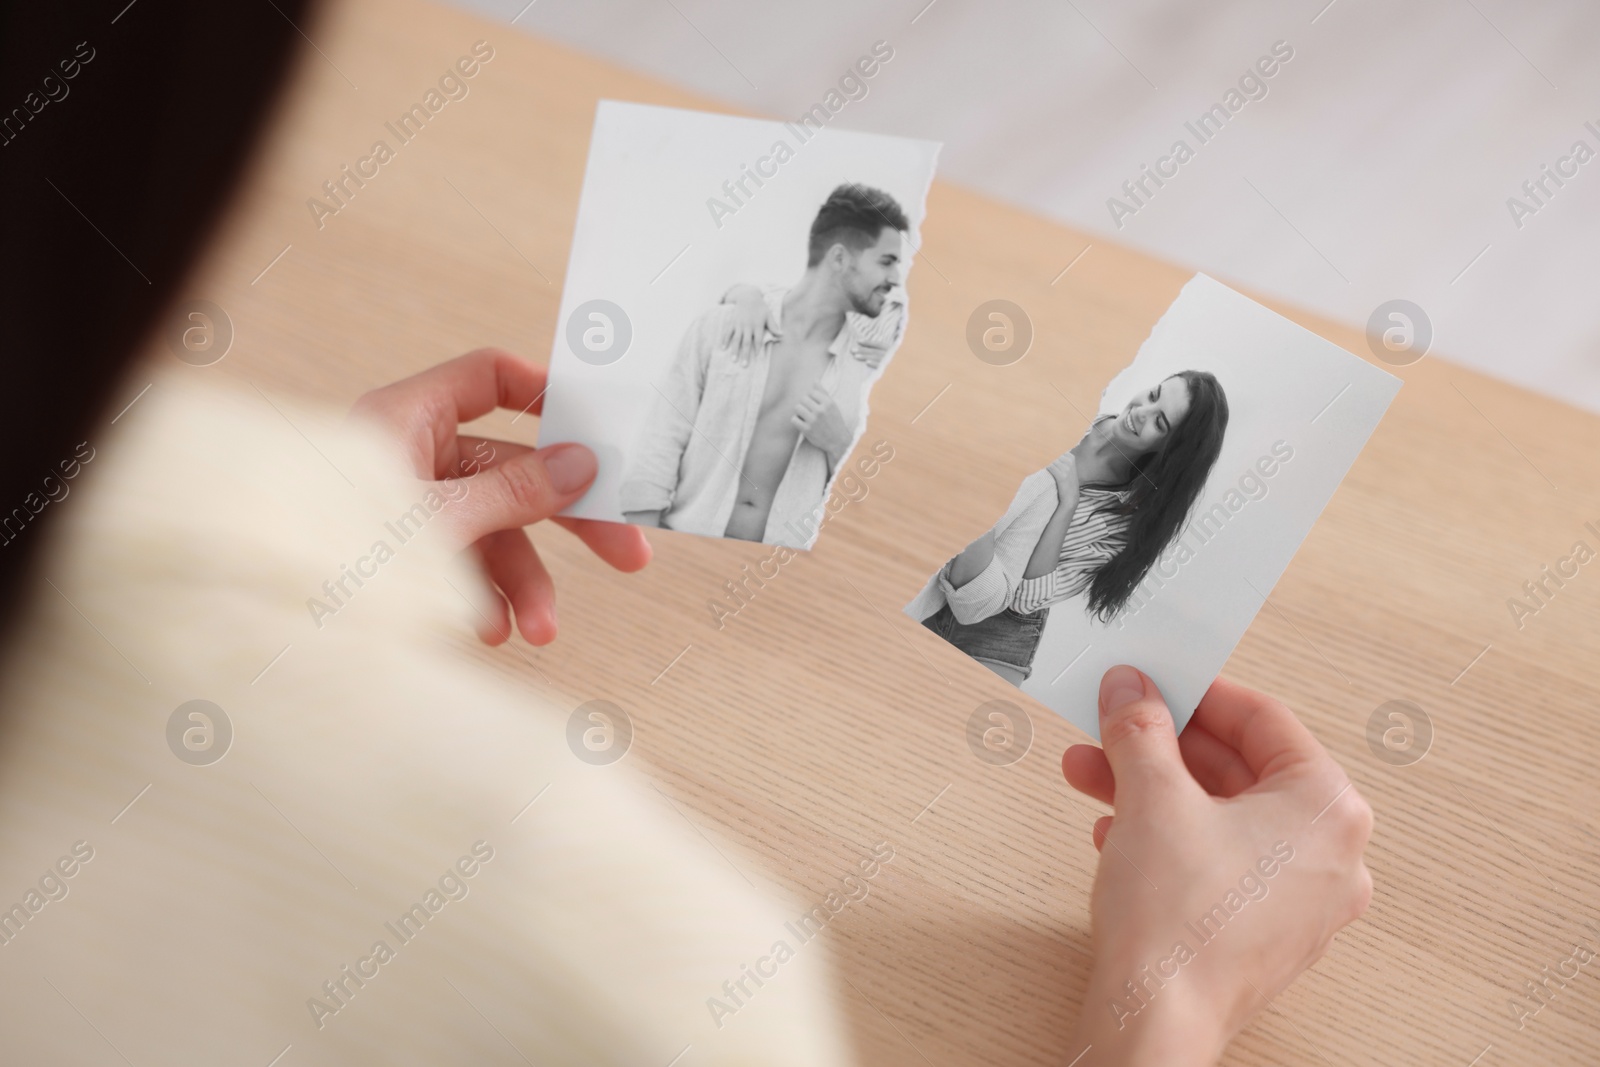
column 1091, row 523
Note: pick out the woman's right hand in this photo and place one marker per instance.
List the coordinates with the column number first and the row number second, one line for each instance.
column 496, row 488
column 746, row 328
column 1234, row 857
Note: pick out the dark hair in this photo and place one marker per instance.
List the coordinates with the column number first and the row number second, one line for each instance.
column 1164, row 487
column 119, row 186
column 854, row 216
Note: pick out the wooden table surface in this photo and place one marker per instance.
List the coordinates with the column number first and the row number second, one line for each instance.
column 819, row 720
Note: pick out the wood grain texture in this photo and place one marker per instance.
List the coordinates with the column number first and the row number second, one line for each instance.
column 819, row 720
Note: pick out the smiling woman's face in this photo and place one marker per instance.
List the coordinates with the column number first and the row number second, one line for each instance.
column 1152, row 416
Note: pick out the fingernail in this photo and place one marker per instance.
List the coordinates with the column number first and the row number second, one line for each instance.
column 571, row 467
column 1121, row 686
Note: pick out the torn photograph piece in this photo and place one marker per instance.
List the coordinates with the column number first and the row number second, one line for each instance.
column 1157, row 534
column 735, row 289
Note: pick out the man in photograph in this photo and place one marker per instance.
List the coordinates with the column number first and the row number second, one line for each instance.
column 747, row 449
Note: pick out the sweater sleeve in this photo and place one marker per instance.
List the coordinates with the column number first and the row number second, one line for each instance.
column 418, row 749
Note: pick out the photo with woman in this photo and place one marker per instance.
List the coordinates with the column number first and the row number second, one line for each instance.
column 1087, row 527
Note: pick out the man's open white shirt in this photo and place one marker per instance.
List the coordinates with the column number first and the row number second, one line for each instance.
column 690, row 463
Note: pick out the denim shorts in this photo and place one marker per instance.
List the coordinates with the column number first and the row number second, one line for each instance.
column 1010, row 638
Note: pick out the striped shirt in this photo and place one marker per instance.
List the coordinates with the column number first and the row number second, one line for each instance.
column 872, row 337
column 1091, row 540
column 1095, row 535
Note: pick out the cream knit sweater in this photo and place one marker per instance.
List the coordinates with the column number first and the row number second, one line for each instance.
column 370, row 796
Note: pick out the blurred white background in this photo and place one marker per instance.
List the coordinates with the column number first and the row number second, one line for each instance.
column 1378, row 166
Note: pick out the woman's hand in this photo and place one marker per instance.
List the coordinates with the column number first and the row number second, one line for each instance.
column 746, row 328
column 869, row 353
column 1046, row 554
column 1244, row 823
column 509, row 486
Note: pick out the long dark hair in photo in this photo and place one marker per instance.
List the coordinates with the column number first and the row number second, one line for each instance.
column 1165, row 485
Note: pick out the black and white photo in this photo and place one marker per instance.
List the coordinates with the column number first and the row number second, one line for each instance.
column 727, row 390
column 1089, row 526
column 1158, row 529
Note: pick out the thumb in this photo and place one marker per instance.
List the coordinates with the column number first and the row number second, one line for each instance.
column 523, row 490
column 1137, row 735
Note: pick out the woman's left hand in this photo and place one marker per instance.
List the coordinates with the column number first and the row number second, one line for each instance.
column 871, row 354
column 510, row 486
column 1245, row 794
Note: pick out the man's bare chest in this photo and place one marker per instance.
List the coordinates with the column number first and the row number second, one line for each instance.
column 791, row 373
